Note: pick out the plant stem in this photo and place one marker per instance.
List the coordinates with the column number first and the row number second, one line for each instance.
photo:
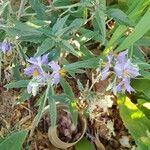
column 21, row 9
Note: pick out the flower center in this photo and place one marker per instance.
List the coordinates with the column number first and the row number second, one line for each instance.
column 126, row 73
column 35, row 73
column 62, row 72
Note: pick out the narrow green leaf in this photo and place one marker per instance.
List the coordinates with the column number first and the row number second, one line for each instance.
column 89, row 63
column 119, row 16
column 116, row 35
column 54, row 54
column 68, row 91
column 58, row 26
column 145, row 41
column 67, row 88
column 42, row 102
column 39, row 8
column 141, row 28
column 80, row 85
column 100, row 19
column 52, row 107
column 17, row 84
column 135, row 7
column 14, row 141
column 68, row 47
column 15, row 68
column 46, row 45
column 91, row 35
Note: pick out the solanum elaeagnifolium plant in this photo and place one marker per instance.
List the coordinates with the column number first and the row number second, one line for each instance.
column 107, row 36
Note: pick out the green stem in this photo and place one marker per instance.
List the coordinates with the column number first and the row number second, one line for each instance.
column 21, row 8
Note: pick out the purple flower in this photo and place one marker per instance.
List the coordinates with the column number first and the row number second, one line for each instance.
column 35, row 69
column 106, row 71
column 122, row 57
column 6, row 47
column 56, row 72
column 126, row 69
column 39, row 61
column 123, row 86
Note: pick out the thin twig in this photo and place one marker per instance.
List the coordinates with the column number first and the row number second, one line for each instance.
column 21, row 9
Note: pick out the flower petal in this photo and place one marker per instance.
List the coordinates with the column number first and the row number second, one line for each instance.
column 56, row 78
column 29, row 88
column 6, row 47
column 54, row 66
column 29, row 71
column 105, row 73
column 122, row 56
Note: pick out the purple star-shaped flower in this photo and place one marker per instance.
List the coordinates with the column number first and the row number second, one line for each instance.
column 6, row 47
column 106, row 71
column 123, row 86
column 56, row 72
column 126, row 69
column 35, row 68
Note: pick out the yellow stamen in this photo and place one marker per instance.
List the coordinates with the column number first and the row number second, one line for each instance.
column 35, row 73
column 62, row 72
column 126, row 73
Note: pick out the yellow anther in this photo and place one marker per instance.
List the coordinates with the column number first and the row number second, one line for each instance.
column 126, row 73
column 35, row 73
column 62, row 72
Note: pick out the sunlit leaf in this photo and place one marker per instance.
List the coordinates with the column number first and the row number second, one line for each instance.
column 14, row 141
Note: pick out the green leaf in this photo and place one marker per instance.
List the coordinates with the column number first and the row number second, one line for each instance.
column 134, row 7
column 136, row 122
column 39, row 8
column 89, row 63
column 25, row 96
column 100, row 20
column 14, row 141
column 84, row 144
column 46, row 45
column 42, row 102
column 68, row 91
column 58, row 26
column 52, row 107
column 25, row 32
column 144, row 106
column 86, row 52
column 67, row 88
column 141, row 28
column 142, row 85
column 54, row 54
column 91, row 34
column 68, row 47
column 119, row 16
column 16, row 69
column 80, row 85
column 17, row 84
column 145, row 41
